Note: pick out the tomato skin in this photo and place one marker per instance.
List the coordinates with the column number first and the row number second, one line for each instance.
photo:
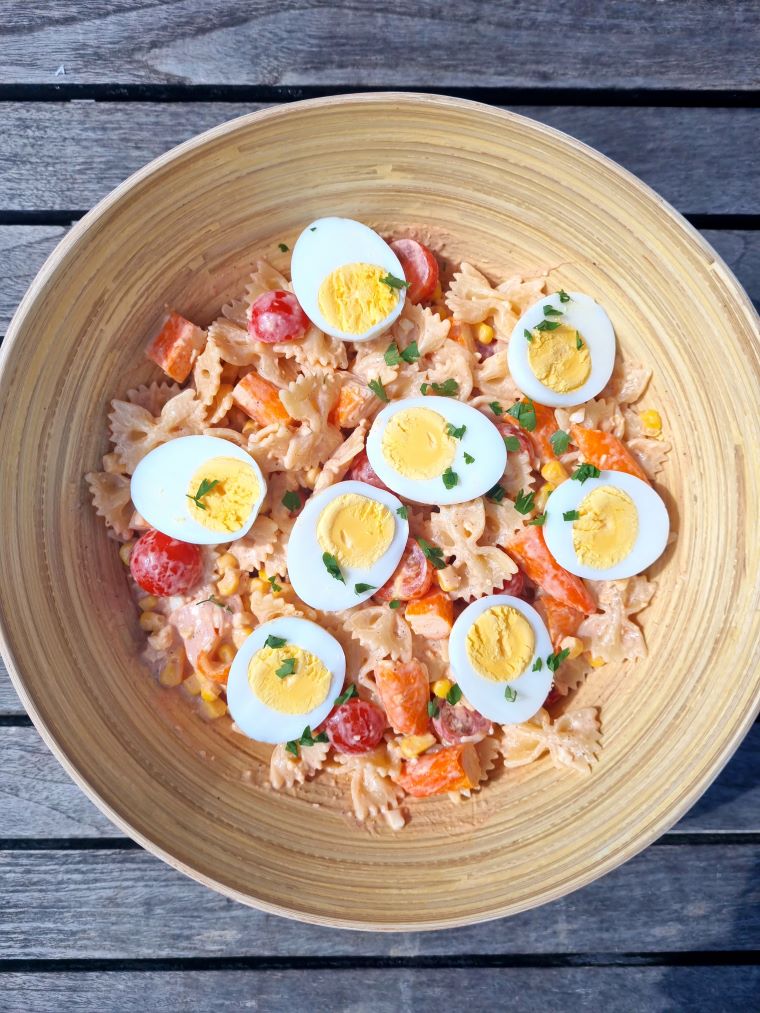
column 165, row 566
column 275, row 317
column 509, row 428
column 412, row 578
column 362, row 471
column 456, row 723
column 420, row 268
column 355, row 727
column 516, row 586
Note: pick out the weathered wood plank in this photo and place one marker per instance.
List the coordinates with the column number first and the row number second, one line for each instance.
column 66, row 156
column 391, row 990
column 71, row 905
column 23, row 249
column 401, row 43
column 9, row 701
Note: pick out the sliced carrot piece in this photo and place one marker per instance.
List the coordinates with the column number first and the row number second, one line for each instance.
column 176, row 346
column 546, row 426
column 606, row 452
column 562, row 619
column 452, row 768
column 431, row 616
column 260, row 400
column 404, row 690
column 529, row 551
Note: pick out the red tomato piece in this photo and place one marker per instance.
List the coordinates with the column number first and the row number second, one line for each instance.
column 277, row 316
column 411, row 579
column 164, row 566
column 516, row 585
column 553, row 697
column 356, row 726
column 362, row 471
column 457, row 723
column 420, row 268
column 507, row 427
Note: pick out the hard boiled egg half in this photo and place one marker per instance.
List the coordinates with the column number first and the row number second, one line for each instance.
column 199, row 489
column 606, row 528
column 348, row 280
column 562, row 350
column 345, row 544
column 436, row 450
column 498, row 649
column 285, row 677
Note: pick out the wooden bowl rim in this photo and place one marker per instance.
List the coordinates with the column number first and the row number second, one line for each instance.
column 643, row 837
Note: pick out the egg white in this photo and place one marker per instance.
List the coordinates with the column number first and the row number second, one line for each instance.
column 256, row 719
column 487, row 696
column 596, row 330
column 482, row 440
column 324, row 246
column 162, row 479
column 654, row 525
column 306, row 571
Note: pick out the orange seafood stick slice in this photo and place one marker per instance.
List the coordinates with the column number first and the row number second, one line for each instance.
column 529, row 551
column 260, row 400
column 404, row 690
column 176, row 346
column 453, row 768
column 606, row 452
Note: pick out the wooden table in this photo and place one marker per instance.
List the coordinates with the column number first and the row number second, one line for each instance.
column 92, row 89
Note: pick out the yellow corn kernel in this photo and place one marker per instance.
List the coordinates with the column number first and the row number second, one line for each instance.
column 229, row 583
column 212, row 709
column 598, row 662
column 651, row 420
column 240, row 635
column 226, row 653
column 226, row 562
column 152, row 622
column 125, row 552
column 311, row 476
column 257, row 584
column 555, row 473
column 209, row 695
column 192, row 684
column 441, row 687
column 484, row 334
column 171, row 673
column 438, row 294
column 447, row 580
column 413, row 745
column 572, row 644
column 249, row 427
column 148, row 602
column 542, row 496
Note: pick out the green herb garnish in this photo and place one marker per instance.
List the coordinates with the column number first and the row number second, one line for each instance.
column 433, row 553
column 214, row 601
column 331, row 565
column 525, row 413
column 376, row 386
column 450, row 478
column 286, row 668
column 456, row 432
column 292, row 746
column 555, row 660
column 570, row 515
column 433, row 708
column 511, row 443
column 361, row 588
column 392, row 356
column 309, row 739
column 393, row 282
column 563, row 296
column 272, row 581
column 411, row 353
column 203, row 490
column 468, row 458
column 394, row 604
column 528, row 334
column 549, row 311
column 449, row 388
column 291, row 501
column 538, row 521
column 496, row 407
column 272, row 641
column 454, row 695
column 313, row 228
column 403, row 513
column 496, row 494
column 524, row 502
column 548, row 325
column 537, row 665
column 346, row 695
column 559, row 441
column 283, row 247
column 510, row 695
column 578, row 342
column 585, row 471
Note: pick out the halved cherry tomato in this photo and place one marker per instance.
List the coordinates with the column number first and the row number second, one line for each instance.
column 452, row 768
column 562, row 619
column 356, row 726
column 508, row 427
column 553, row 697
column 457, row 723
column 411, row 579
column 606, row 451
column 515, row 585
column 164, row 566
column 420, row 268
column 277, row 316
column 404, row 690
column 529, row 551
column 362, row 471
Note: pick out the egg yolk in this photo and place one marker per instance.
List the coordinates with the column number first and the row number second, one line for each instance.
column 297, row 693
column 415, row 443
column 221, row 493
column 500, row 643
column 605, row 531
column 353, row 298
column 356, row 530
column 557, row 361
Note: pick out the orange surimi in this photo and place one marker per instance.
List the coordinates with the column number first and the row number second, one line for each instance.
column 404, row 690
column 606, row 452
column 176, row 346
column 431, row 616
column 453, row 768
column 260, row 400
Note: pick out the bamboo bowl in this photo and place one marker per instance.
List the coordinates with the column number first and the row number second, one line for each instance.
column 182, row 232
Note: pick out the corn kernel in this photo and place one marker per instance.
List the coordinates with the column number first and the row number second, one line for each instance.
column 311, row 476
column 148, row 602
column 212, row 709
column 240, row 635
column 555, row 473
column 542, row 496
column 226, row 562
column 598, row 662
column 447, row 579
column 208, row 695
column 413, row 745
column 229, row 583
column 249, row 427
column 442, row 686
column 125, row 552
column 259, row 585
column 572, row 644
column 152, row 622
column 226, row 653
column 651, row 420
column 171, row 673
column 438, row 294
column 192, row 684
column 484, row 333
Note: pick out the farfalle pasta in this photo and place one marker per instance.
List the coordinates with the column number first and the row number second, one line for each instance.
column 407, row 711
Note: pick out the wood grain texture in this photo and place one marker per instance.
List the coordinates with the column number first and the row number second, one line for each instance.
column 526, row 196
column 296, row 42
column 9, row 701
column 67, row 156
column 71, row 905
column 38, row 799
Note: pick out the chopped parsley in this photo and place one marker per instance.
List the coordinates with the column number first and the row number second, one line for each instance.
column 273, row 642
column 549, row 311
column 214, row 601
column 555, row 660
column 394, row 604
column 538, row 521
column 524, row 502
column 392, row 356
column 286, row 668
column 496, row 407
column 309, row 739
column 548, row 325
column 528, row 334
column 563, row 296
column 456, row 432
column 313, row 228
column 525, row 413
column 393, row 282
column 272, row 581
column 203, row 490
column 376, row 386
column 468, row 458
column 510, row 695
column 433, row 553
column 403, row 513
column 361, row 588
column 283, row 247
column 331, row 565
column 411, row 353
column 578, row 342
column 433, row 708
column 450, row 478
column 345, row 695
column 585, row 471
column 292, row 746
column 291, row 501
column 511, row 443
column 449, row 388
column 496, row 494
column 537, row 665
column 454, row 695
column 559, row 441
column 570, row 515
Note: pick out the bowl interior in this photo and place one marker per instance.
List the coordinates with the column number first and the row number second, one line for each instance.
column 510, row 195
